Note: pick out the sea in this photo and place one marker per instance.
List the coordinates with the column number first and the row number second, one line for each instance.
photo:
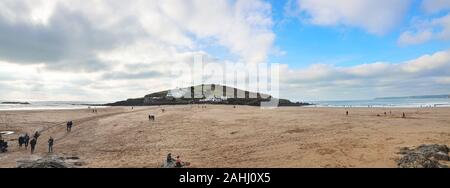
column 51, row 105
column 386, row 103
column 382, row 103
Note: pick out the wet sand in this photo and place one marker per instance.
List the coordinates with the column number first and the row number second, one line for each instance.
column 223, row 136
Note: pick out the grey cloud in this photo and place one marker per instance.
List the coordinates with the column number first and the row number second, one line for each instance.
column 69, row 39
column 126, row 75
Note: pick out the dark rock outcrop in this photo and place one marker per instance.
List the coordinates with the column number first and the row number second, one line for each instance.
column 50, row 162
column 424, row 156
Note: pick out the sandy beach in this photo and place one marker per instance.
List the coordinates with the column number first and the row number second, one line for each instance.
column 223, row 136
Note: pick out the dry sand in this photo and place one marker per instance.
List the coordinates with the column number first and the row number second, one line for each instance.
column 223, row 136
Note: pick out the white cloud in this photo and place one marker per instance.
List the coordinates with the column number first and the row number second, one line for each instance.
column 242, row 27
column 375, row 16
column 420, row 37
column 427, row 74
column 84, row 48
column 425, row 30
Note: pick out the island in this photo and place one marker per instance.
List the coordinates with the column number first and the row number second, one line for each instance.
column 204, row 94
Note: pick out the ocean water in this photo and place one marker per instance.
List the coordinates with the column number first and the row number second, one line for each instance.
column 392, row 102
column 50, row 105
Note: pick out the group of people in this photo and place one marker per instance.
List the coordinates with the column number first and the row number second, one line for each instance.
column 94, row 110
column 24, row 140
column 385, row 114
column 178, row 163
column 151, row 117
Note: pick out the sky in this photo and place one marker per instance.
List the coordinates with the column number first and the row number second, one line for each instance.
column 107, row 50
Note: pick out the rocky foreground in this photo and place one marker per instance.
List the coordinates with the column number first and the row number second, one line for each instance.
column 424, row 156
column 51, row 161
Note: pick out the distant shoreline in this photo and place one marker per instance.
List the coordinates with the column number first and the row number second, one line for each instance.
column 445, row 96
column 14, row 103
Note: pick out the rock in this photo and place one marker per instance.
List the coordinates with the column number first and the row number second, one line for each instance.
column 441, row 156
column 78, row 163
column 424, row 156
column 415, row 160
column 173, row 165
column 42, row 163
column 430, row 150
column 168, row 164
column 49, row 162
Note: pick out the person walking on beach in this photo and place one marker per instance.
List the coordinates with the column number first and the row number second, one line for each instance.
column 36, row 135
column 69, row 126
column 50, row 145
column 21, row 141
column 33, row 144
column 26, row 140
column 346, row 113
column 403, row 115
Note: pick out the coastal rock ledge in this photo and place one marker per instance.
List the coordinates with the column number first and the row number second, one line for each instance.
column 51, row 161
column 424, row 156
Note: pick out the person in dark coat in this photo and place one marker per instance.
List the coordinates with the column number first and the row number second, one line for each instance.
column 21, row 141
column 26, row 140
column 169, row 158
column 50, row 144
column 69, row 126
column 3, row 145
column 33, row 143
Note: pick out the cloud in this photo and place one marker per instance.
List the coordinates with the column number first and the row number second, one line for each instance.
column 112, row 50
column 426, row 30
column 408, row 37
column 86, row 48
column 374, row 16
column 69, row 32
column 427, row 74
column 435, row 6
column 67, row 40
column 127, row 75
